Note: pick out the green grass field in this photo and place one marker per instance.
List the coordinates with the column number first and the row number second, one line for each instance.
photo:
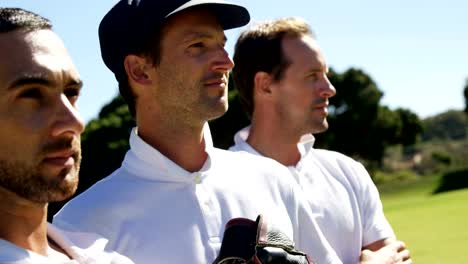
column 434, row 227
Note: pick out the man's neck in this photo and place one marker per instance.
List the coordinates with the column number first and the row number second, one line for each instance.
column 23, row 223
column 275, row 144
column 185, row 146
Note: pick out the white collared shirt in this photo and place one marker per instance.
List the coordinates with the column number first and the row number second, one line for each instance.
column 341, row 195
column 154, row 211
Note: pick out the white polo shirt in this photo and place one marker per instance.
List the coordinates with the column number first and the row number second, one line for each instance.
column 84, row 248
column 341, row 194
column 154, row 211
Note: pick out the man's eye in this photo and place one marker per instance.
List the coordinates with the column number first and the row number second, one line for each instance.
column 313, row 76
column 33, row 93
column 197, row 45
column 72, row 92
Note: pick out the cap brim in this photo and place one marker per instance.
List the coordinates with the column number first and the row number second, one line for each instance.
column 229, row 15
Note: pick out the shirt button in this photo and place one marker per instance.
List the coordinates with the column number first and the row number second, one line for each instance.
column 196, row 179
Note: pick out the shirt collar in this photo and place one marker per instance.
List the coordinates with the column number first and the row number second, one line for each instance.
column 305, row 145
column 143, row 160
column 240, row 139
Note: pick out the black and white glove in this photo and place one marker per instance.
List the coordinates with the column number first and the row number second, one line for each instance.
column 249, row 242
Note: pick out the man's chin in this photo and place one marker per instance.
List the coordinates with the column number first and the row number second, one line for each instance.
column 320, row 128
column 62, row 193
column 39, row 184
column 57, row 188
column 217, row 111
column 65, row 188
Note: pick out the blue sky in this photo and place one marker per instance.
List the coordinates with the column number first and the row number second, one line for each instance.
column 416, row 51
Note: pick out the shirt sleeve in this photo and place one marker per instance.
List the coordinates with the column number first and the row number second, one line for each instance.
column 375, row 224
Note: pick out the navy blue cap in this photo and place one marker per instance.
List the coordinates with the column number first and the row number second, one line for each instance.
column 133, row 21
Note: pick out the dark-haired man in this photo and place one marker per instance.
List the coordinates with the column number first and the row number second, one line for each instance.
column 171, row 198
column 39, row 144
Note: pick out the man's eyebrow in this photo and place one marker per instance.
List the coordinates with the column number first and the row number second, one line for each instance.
column 319, row 69
column 27, row 79
column 191, row 35
column 41, row 79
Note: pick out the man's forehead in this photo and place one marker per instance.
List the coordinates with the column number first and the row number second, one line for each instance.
column 14, row 43
column 303, row 45
column 34, row 54
column 22, row 45
column 305, row 53
column 194, row 33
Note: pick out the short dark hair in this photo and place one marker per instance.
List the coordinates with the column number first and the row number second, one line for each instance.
column 19, row 19
column 259, row 49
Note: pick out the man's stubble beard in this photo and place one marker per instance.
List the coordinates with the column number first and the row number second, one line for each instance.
column 27, row 181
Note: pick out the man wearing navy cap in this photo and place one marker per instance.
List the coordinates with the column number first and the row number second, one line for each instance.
column 172, row 196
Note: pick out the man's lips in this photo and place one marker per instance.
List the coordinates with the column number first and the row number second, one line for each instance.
column 65, row 158
column 323, row 104
column 216, row 82
column 322, row 108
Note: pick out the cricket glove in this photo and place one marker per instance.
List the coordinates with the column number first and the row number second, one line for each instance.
column 254, row 242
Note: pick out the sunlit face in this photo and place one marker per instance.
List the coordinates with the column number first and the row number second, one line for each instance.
column 302, row 94
column 39, row 124
column 192, row 77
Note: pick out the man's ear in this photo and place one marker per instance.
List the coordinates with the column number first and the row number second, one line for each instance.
column 137, row 69
column 262, row 83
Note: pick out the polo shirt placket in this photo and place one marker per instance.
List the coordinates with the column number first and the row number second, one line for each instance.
column 210, row 210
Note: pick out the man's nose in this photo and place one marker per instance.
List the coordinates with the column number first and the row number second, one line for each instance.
column 223, row 62
column 68, row 119
column 327, row 88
